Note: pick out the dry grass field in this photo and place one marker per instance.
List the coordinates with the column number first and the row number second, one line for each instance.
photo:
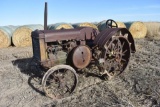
column 138, row 86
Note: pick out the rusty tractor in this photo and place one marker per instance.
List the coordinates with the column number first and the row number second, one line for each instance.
column 64, row 52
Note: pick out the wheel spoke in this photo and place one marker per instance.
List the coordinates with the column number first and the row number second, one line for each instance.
column 123, row 44
column 123, row 53
column 124, row 60
column 126, row 35
column 68, row 89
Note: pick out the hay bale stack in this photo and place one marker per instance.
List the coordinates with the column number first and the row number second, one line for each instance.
column 85, row 24
column 153, row 30
column 58, row 26
column 138, row 29
column 102, row 25
column 5, row 35
column 22, row 35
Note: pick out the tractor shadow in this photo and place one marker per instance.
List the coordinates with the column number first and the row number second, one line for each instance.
column 35, row 76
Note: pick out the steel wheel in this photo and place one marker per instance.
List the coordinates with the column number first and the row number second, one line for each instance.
column 59, row 81
column 116, row 55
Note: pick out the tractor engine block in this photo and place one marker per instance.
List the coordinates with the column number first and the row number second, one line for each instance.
column 67, row 46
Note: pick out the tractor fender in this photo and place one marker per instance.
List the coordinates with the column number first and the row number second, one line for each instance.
column 106, row 34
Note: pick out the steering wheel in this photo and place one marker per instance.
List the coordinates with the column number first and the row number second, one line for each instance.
column 109, row 23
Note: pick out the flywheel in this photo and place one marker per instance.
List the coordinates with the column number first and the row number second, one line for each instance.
column 81, row 56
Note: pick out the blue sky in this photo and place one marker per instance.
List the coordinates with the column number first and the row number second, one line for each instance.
column 22, row 12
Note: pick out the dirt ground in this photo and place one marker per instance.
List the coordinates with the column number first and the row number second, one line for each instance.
column 138, row 86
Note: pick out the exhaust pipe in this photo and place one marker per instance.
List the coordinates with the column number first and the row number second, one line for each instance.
column 45, row 16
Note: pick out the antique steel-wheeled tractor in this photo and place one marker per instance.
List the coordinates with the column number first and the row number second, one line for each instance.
column 64, row 52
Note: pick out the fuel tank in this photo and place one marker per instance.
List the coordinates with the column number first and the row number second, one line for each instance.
column 82, row 33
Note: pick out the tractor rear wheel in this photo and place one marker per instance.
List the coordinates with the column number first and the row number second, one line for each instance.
column 116, row 55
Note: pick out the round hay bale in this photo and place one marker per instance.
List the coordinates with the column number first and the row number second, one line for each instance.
column 22, row 35
column 138, row 29
column 85, row 24
column 5, row 35
column 58, row 26
column 121, row 24
column 102, row 25
column 153, row 30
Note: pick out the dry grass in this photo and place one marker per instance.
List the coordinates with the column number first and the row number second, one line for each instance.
column 58, row 26
column 85, row 24
column 153, row 30
column 138, row 86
